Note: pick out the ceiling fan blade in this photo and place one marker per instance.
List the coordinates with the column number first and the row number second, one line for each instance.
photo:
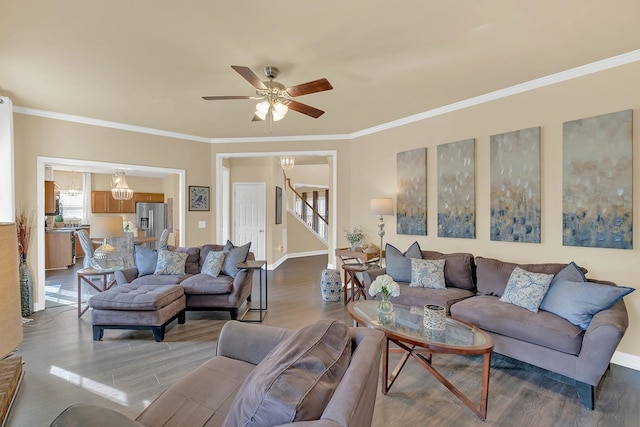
column 319, row 85
column 250, row 76
column 215, row 98
column 256, row 119
column 305, row 109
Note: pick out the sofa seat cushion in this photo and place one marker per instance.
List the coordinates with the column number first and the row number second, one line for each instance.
column 541, row 328
column 201, row 398
column 296, row 380
column 136, row 297
column 204, row 284
column 161, row 279
column 419, row 297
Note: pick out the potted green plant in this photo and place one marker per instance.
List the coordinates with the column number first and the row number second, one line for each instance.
column 355, row 236
column 58, row 220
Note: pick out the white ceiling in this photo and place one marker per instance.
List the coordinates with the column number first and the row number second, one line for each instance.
column 148, row 62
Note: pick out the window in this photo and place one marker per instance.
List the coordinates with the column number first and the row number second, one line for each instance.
column 71, row 206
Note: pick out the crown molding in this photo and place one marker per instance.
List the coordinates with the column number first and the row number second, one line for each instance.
column 107, row 124
column 572, row 73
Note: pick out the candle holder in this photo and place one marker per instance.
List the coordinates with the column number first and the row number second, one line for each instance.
column 435, row 317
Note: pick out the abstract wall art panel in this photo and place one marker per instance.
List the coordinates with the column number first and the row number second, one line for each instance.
column 515, row 186
column 412, row 192
column 456, row 189
column 597, row 181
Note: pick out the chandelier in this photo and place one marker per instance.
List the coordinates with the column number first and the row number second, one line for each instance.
column 287, row 162
column 119, row 188
column 73, row 190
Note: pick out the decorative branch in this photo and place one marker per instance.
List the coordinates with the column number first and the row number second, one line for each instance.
column 24, row 225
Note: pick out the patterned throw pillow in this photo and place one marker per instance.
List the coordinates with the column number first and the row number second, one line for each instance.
column 170, row 262
column 213, row 263
column 526, row 289
column 427, row 273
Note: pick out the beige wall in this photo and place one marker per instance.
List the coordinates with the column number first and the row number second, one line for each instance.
column 300, row 239
column 613, row 90
column 36, row 136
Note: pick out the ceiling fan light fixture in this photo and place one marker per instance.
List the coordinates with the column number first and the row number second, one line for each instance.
column 278, row 111
column 262, row 108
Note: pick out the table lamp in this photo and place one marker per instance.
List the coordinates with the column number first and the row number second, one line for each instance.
column 381, row 207
column 105, row 227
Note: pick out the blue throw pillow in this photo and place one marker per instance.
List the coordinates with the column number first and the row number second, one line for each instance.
column 579, row 301
column 398, row 264
column 234, row 255
column 571, row 272
column 146, row 260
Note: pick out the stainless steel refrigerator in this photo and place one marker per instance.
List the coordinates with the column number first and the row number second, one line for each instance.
column 151, row 218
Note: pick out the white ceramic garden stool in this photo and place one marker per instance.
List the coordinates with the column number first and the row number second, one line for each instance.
column 331, row 284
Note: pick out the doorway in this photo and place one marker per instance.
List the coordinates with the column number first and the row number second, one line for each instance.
column 92, row 166
column 249, row 216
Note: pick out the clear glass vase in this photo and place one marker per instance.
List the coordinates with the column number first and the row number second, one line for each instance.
column 385, row 305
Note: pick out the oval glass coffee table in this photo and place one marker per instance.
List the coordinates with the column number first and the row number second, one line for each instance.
column 404, row 327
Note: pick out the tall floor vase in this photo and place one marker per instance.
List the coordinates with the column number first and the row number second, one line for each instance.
column 26, row 287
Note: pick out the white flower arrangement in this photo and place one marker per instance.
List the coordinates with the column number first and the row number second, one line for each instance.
column 385, row 284
column 128, row 225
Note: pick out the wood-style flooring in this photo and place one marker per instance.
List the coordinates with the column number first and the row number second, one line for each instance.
column 128, row 369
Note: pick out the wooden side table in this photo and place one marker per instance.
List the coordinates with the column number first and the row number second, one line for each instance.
column 85, row 275
column 350, row 277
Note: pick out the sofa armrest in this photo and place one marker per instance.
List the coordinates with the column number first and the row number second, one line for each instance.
column 600, row 342
column 247, row 342
column 92, row 416
column 126, row 276
column 369, row 276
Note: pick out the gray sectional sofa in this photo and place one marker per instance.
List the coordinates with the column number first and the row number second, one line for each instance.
column 474, row 286
column 323, row 375
column 226, row 292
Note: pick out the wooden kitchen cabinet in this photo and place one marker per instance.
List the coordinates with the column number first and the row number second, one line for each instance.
column 58, row 247
column 149, row 197
column 49, row 197
column 103, row 202
column 100, row 201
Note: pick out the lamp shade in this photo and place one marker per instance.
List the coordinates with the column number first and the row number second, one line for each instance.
column 105, row 226
column 10, row 313
column 381, row 206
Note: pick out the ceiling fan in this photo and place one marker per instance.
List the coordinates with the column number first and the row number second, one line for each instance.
column 275, row 98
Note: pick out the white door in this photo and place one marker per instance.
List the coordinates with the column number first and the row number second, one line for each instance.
column 249, row 216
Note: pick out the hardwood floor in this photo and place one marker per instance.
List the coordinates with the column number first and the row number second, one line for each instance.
column 127, row 370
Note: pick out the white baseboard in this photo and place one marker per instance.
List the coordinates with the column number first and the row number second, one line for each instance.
column 310, row 253
column 627, row 360
column 296, row 255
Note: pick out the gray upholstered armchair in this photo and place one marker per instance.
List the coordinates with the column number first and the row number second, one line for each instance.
column 203, row 399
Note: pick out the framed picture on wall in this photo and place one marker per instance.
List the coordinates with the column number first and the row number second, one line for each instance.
column 278, row 205
column 198, row 198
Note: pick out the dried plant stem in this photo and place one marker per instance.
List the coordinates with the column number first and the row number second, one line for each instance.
column 24, row 225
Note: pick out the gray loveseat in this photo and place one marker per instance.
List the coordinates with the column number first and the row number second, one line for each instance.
column 226, row 292
column 542, row 339
column 207, row 394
